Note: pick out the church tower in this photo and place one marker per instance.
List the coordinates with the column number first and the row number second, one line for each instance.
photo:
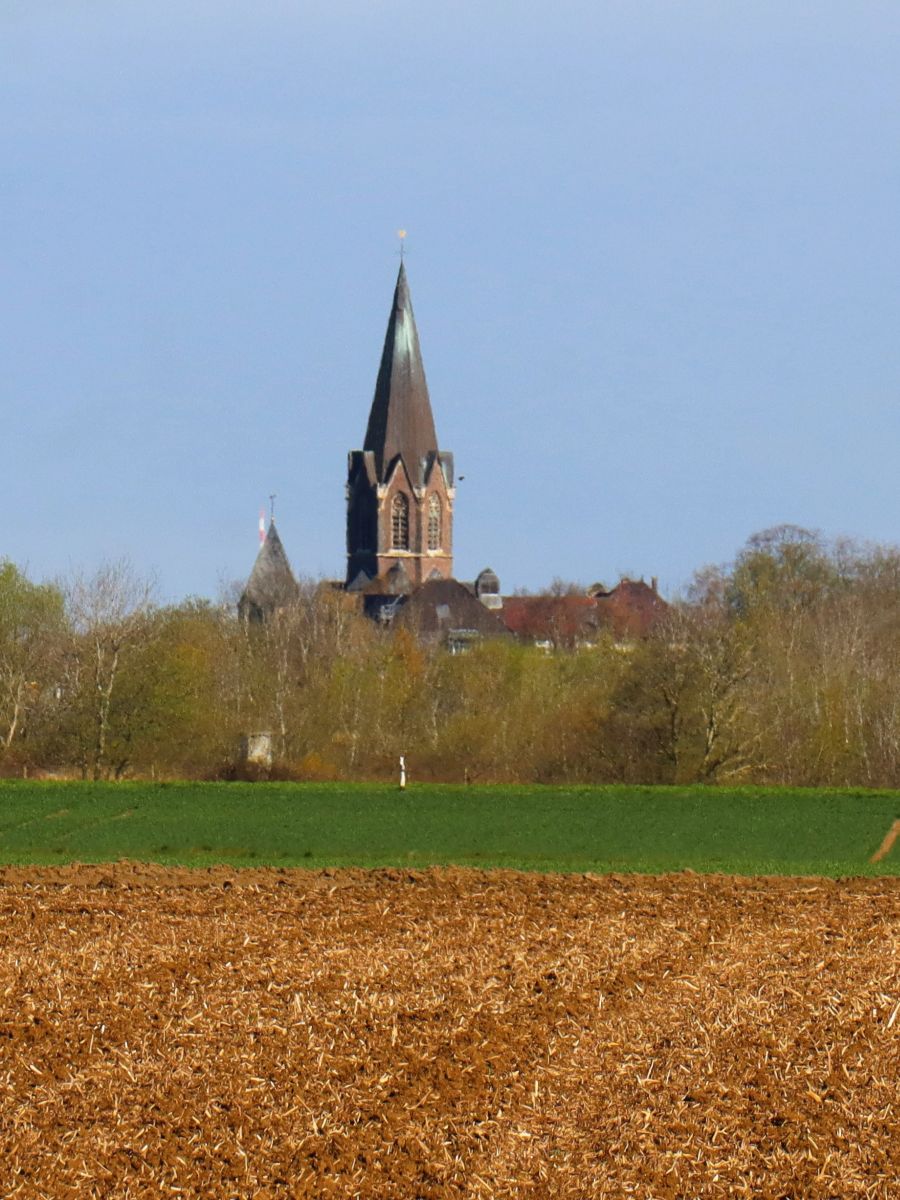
column 400, row 485
column 271, row 586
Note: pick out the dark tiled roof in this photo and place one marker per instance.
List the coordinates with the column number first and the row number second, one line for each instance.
column 271, row 584
column 401, row 421
column 444, row 606
column 358, row 583
column 394, row 582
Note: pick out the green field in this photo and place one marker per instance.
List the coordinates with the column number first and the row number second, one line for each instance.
column 600, row 829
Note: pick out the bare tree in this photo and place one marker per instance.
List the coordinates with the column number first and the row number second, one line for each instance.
column 31, row 625
column 109, row 613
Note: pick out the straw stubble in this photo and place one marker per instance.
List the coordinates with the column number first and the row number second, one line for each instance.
column 446, row 1033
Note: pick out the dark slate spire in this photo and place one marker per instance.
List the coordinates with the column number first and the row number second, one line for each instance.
column 271, row 584
column 400, row 422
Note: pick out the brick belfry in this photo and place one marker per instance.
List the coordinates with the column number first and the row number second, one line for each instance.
column 400, row 487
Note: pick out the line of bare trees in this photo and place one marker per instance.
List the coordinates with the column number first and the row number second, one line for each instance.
column 782, row 668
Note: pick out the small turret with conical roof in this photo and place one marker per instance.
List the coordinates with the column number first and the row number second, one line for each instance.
column 271, row 585
column 400, row 488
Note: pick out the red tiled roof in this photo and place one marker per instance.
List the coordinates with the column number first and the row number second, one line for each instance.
column 630, row 610
column 557, row 619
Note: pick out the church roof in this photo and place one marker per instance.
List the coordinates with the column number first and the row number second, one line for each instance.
column 394, row 582
column 440, row 607
column 401, row 421
column 271, row 584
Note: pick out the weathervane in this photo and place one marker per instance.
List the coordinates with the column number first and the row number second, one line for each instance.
column 401, row 234
column 272, row 498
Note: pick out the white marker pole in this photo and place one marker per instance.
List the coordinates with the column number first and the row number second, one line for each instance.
column 402, row 773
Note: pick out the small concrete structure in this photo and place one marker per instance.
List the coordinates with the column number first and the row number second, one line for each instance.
column 256, row 749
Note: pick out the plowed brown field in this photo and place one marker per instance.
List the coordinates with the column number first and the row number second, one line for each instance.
column 447, row 1034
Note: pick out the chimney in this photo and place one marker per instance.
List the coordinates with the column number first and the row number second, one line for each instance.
column 654, row 585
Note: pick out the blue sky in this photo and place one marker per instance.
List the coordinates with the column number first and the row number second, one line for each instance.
column 652, row 248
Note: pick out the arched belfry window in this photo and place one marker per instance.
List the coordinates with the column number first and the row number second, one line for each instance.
column 434, row 523
column 400, row 522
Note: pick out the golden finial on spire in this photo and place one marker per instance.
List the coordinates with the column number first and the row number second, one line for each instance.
column 401, row 234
